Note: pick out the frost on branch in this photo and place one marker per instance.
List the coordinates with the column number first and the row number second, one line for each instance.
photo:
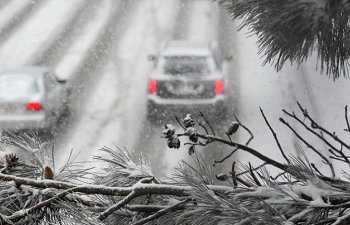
column 294, row 191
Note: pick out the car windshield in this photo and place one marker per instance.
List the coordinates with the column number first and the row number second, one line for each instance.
column 176, row 65
column 18, row 85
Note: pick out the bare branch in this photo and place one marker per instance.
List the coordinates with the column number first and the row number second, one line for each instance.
column 347, row 119
column 322, row 129
column 207, row 122
column 275, row 136
column 247, row 149
column 309, row 146
column 257, row 182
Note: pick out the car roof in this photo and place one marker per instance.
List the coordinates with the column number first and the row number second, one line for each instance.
column 187, row 48
column 30, row 70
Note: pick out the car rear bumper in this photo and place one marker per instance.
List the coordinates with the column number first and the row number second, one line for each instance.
column 20, row 122
column 180, row 107
column 154, row 99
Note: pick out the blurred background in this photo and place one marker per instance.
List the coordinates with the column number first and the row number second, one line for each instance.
column 99, row 51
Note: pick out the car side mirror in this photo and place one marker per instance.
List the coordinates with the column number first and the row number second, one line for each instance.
column 61, row 81
column 228, row 58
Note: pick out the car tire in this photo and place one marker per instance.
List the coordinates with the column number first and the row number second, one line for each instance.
column 221, row 114
column 151, row 113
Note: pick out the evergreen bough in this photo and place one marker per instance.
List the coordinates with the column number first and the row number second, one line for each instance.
column 295, row 191
column 290, row 30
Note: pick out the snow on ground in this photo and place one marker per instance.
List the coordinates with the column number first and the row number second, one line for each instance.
column 11, row 8
column 120, row 94
column 86, row 38
column 203, row 21
column 39, row 29
column 202, row 26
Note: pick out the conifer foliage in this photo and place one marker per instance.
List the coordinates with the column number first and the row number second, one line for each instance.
column 295, row 190
column 290, row 30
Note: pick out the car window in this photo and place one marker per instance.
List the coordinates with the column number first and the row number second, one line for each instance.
column 18, row 85
column 177, row 65
column 50, row 81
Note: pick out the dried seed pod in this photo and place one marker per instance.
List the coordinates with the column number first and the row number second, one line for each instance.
column 233, row 128
column 11, row 160
column 173, row 142
column 192, row 134
column 188, row 121
column 169, row 131
column 194, row 138
column 176, row 142
column 48, row 173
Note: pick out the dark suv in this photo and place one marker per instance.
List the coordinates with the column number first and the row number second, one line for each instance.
column 187, row 78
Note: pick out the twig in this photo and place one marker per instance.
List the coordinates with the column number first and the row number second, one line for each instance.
column 278, row 175
column 179, row 122
column 275, row 136
column 233, row 173
column 317, row 135
column 347, row 118
column 22, row 213
column 117, row 206
column 309, row 146
column 98, row 189
column 322, row 129
column 247, row 129
column 257, row 182
column 233, row 152
column 145, row 208
column 204, row 127
column 206, row 121
column 254, row 152
column 254, row 169
column 161, row 212
column 227, row 156
column 317, row 170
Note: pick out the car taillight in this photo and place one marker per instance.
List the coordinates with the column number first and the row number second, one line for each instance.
column 219, row 87
column 34, row 106
column 152, row 86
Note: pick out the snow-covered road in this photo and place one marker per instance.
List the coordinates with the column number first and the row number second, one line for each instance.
column 105, row 57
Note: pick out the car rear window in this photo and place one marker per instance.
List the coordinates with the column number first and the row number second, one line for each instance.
column 178, row 65
column 18, row 85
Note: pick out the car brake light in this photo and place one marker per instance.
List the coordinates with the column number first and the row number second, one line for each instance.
column 152, row 86
column 219, row 87
column 34, row 106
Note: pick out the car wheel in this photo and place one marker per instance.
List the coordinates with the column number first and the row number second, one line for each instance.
column 221, row 114
column 151, row 113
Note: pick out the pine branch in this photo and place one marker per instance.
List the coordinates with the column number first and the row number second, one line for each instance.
column 117, row 206
column 161, row 212
column 291, row 30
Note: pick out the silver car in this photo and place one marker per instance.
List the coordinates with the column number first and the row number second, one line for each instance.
column 31, row 98
column 187, row 78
